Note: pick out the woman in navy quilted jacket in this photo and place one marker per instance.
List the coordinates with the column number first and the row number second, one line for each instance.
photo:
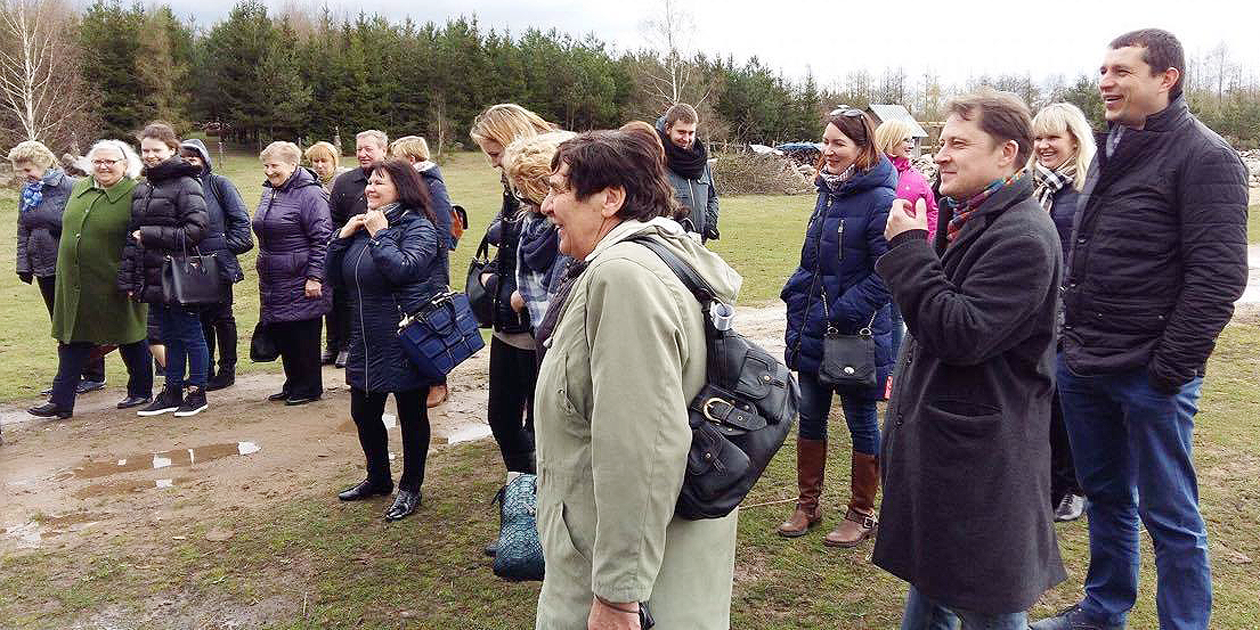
column 389, row 261
column 836, row 287
column 293, row 226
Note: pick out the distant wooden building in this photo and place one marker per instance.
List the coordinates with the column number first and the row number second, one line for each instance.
column 879, row 113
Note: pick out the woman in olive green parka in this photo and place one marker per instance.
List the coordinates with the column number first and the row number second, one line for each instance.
column 89, row 313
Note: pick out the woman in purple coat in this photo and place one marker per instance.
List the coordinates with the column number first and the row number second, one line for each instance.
column 293, row 226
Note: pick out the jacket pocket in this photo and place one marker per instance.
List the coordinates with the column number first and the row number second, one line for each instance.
column 958, row 419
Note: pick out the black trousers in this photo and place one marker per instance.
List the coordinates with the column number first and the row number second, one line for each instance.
column 1062, row 469
column 337, row 322
column 92, row 370
column 73, row 356
column 366, row 408
column 298, row 343
column 513, row 374
column 218, row 324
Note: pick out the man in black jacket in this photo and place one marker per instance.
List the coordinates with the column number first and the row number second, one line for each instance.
column 229, row 235
column 346, row 201
column 1159, row 256
column 966, row 459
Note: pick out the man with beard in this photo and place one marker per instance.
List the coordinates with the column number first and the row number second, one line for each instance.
column 687, row 164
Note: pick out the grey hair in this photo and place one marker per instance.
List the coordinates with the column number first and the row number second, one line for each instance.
column 128, row 153
column 378, row 136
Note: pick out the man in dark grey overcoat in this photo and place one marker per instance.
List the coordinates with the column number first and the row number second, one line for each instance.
column 965, row 450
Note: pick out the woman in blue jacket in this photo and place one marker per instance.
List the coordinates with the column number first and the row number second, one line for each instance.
column 389, row 261
column 836, row 286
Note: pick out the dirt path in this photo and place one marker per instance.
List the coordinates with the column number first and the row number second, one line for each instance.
column 64, row 483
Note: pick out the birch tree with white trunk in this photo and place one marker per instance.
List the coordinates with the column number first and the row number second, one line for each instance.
column 40, row 87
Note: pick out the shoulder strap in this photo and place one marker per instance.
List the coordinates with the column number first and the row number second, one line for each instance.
column 690, row 279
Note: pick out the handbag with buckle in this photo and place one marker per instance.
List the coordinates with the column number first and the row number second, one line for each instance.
column 441, row 335
column 742, row 415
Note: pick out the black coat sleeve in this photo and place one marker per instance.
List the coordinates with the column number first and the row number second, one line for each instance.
column 981, row 317
column 236, row 226
column 1212, row 200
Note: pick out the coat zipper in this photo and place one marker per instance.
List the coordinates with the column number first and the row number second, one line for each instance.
column 358, row 286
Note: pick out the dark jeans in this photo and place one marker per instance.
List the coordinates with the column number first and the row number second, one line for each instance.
column 513, row 374
column 366, row 408
column 923, row 613
column 93, row 370
column 859, row 414
column 218, row 324
column 298, row 343
column 181, row 333
column 337, row 323
column 71, row 357
column 1132, row 447
column 1062, row 469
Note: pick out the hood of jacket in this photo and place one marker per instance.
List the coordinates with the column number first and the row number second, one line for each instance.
column 724, row 280
column 171, row 168
column 301, row 178
column 882, row 173
column 200, row 147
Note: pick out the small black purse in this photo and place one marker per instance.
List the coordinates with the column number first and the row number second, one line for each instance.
column 848, row 360
column 479, row 297
column 262, row 346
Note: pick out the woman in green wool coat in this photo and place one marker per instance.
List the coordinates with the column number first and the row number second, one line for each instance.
column 88, row 311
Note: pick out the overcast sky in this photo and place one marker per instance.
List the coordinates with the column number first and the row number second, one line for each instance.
column 956, row 39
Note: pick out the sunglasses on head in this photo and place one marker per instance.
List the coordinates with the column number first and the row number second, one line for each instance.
column 846, row 111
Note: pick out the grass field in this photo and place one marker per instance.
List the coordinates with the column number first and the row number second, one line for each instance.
column 305, row 565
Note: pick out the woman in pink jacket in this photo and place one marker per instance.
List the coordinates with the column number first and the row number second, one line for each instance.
column 894, row 138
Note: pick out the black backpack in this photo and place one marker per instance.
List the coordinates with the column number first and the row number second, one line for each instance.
column 741, row 417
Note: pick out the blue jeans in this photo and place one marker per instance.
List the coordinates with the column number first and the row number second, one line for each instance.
column 185, row 344
column 859, row 414
column 923, row 613
column 1131, row 445
column 898, row 332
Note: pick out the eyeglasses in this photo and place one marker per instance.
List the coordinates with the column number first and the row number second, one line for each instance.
column 846, row 111
column 105, row 162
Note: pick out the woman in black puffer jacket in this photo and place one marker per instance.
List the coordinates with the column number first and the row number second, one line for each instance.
column 168, row 217
column 389, row 261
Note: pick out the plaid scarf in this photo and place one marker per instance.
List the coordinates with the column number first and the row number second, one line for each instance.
column 1048, row 183
column 834, row 181
column 963, row 210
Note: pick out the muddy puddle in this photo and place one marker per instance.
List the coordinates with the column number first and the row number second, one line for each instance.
column 183, row 457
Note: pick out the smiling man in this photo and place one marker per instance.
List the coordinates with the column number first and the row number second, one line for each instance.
column 687, row 164
column 964, row 449
column 1159, row 256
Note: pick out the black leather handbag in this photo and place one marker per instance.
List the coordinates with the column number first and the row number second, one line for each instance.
column 480, row 298
column 742, row 415
column 262, row 345
column 848, row 360
column 191, row 280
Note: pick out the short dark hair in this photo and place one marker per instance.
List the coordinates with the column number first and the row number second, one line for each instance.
column 159, row 130
column 618, row 159
column 1162, row 50
column 1002, row 115
column 412, row 192
column 681, row 112
column 860, row 130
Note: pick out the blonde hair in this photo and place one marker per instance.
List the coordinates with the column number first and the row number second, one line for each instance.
column 282, row 150
column 32, row 152
column 527, row 163
column 323, row 149
column 128, row 154
column 1059, row 118
column 410, row 147
column 891, row 132
column 505, row 122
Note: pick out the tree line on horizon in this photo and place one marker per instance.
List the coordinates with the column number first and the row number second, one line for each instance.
column 266, row 75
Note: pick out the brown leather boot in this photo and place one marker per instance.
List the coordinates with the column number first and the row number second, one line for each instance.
column 811, row 460
column 859, row 522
